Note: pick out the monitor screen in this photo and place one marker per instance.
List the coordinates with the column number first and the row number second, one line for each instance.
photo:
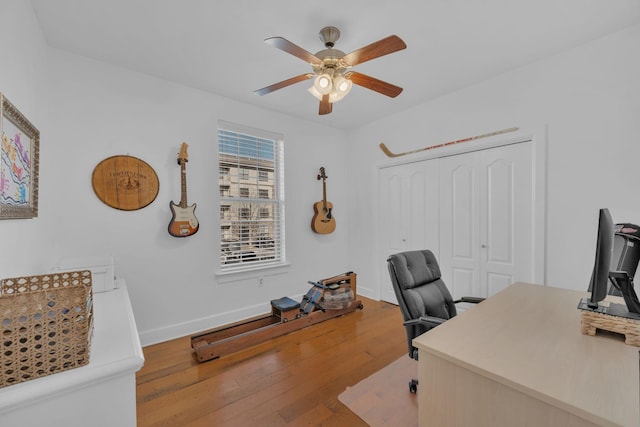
column 604, row 248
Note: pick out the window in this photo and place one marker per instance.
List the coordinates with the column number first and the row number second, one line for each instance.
column 251, row 198
column 225, row 210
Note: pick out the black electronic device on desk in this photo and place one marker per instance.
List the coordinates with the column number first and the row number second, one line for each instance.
column 596, row 314
column 601, row 276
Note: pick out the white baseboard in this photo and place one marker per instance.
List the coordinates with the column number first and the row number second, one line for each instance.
column 178, row 330
column 367, row 292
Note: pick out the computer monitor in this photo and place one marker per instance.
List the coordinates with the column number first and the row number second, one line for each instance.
column 604, row 248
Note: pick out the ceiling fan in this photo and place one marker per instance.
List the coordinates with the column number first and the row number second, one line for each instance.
column 333, row 80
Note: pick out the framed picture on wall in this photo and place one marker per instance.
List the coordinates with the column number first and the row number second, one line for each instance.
column 19, row 161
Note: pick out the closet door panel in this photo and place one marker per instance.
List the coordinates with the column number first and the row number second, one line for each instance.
column 459, row 224
column 424, row 211
column 506, row 216
column 394, row 221
column 416, row 224
column 391, row 227
column 464, row 279
column 463, row 187
column 497, row 282
column 500, row 211
column 409, row 214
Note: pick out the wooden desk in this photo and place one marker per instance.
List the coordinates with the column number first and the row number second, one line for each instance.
column 519, row 359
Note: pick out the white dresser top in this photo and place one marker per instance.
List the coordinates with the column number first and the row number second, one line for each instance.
column 115, row 351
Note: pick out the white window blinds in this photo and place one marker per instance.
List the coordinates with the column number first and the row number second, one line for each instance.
column 250, row 180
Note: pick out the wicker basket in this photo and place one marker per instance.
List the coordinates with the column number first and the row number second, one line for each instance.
column 46, row 323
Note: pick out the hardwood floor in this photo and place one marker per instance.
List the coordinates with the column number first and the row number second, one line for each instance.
column 292, row 380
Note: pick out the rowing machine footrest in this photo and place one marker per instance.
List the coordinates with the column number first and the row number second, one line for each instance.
column 285, row 309
column 285, row 304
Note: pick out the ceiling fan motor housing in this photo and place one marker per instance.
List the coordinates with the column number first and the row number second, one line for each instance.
column 330, row 57
column 329, row 36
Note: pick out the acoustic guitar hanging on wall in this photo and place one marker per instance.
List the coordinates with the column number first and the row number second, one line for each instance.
column 323, row 221
column 183, row 222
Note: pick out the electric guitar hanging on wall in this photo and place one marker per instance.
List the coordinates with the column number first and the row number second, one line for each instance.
column 323, row 221
column 184, row 222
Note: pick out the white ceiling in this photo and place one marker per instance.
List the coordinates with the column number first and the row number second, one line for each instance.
column 218, row 46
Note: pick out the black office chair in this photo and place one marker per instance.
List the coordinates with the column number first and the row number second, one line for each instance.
column 423, row 297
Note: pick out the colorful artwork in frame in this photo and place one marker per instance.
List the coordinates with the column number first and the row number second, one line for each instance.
column 19, row 161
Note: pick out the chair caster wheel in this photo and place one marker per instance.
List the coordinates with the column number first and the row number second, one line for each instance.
column 413, row 386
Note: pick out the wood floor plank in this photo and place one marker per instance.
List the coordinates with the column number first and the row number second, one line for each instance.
column 291, row 380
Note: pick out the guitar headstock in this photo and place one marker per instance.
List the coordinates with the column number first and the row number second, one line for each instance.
column 183, row 157
column 322, row 175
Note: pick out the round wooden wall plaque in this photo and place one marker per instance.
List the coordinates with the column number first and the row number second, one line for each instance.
column 125, row 182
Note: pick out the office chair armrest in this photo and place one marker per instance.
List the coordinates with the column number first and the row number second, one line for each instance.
column 472, row 300
column 429, row 321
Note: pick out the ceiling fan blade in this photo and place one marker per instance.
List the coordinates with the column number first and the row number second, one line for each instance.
column 374, row 50
column 325, row 105
column 293, row 49
column 284, row 83
column 374, row 84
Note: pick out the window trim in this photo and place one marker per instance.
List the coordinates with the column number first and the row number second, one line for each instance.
column 279, row 266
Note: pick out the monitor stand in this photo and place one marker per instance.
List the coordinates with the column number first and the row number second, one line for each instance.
column 624, row 283
column 609, row 308
column 619, row 318
column 629, row 310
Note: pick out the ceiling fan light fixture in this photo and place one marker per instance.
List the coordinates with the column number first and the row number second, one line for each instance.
column 338, row 86
column 323, row 84
column 334, row 97
column 313, row 91
column 342, row 85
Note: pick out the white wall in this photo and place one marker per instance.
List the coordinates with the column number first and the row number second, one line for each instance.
column 95, row 111
column 23, row 81
column 588, row 99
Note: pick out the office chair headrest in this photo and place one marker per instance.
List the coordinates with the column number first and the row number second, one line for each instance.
column 415, row 268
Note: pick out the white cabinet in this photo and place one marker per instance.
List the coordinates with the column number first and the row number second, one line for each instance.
column 99, row 394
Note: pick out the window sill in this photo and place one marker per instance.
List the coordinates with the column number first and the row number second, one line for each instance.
column 253, row 273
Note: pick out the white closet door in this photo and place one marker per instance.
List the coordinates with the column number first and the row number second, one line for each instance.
column 487, row 219
column 475, row 211
column 422, row 212
column 506, row 217
column 391, row 227
column 460, row 224
column 409, row 214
